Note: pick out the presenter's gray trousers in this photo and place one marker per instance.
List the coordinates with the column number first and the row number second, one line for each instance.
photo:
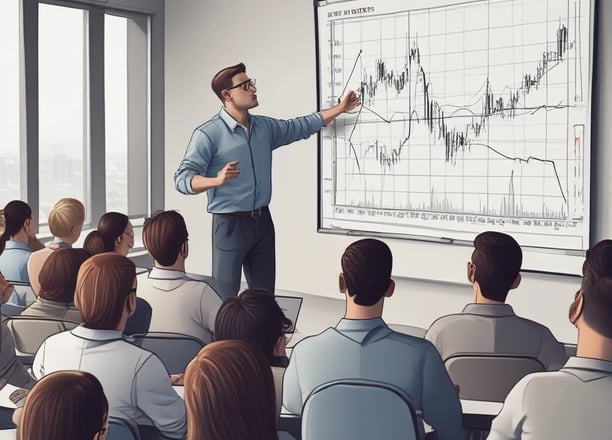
column 243, row 242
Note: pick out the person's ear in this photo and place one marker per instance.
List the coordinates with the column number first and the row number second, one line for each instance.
column 226, row 94
column 390, row 289
column 575, row 309
column 131, row 303
column 342, row 283
column 471, row 272
column 279, row 347
column 516, row 282
column 185, row 249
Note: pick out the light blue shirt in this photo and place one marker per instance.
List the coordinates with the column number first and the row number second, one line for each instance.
column 369, row 349
column 14, row 261
column 222, row 140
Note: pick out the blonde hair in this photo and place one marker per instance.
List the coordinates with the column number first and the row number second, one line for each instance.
column 66, row 214
column 229, row 393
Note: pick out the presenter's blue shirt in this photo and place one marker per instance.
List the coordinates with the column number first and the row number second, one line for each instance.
column 222, row 140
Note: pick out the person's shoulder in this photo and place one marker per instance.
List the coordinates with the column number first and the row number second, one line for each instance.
column 210, row 125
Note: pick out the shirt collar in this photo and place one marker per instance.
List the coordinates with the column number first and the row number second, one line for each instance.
column 159, row 273
column 55, row 304
column 230, row 121
column 497, row 310
column 94, row 334
column 588, row 368
column 346, row 324
column 14, row 244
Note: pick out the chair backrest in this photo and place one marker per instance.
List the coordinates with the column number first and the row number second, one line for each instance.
column 22, row 296
column 488, row 377
column 120, row 429
column 355, row 409
column 140, row 321
column 29, row 332
column 175, row 350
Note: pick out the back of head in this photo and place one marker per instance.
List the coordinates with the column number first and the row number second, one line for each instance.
column 223, row 78
column 255, row 317
column 110, row 226
column 597, row 288
column 58, row 275
column 15, row 214
column 64, row 405
column 367, row 265
column 103, row 285
column 498, row 258
column 229, row 393
column 66, row 216
column 164, row 235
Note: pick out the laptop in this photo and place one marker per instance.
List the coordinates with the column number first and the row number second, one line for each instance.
column 290, row 305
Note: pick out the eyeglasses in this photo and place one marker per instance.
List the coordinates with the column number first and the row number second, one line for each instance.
column 244, row 84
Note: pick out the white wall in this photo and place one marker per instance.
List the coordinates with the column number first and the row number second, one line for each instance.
column 276, row 41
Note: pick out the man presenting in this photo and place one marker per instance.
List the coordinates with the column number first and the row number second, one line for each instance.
column 230, row 157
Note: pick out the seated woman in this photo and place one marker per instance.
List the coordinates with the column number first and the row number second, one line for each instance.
column 65, row 223
column 229, row 393
column 57, row 279
column 135, row 381
column 114, row 234
column 65, row 405
column 254, row 316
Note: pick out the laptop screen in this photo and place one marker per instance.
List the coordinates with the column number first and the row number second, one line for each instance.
column 290, row 305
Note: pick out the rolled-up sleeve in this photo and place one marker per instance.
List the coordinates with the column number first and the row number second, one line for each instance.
column 195, row 162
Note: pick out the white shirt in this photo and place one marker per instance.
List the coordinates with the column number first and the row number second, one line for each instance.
column 572, row 403
column 135, row 381
column 180, row 303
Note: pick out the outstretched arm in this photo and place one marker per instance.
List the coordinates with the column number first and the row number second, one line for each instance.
column 350, row 101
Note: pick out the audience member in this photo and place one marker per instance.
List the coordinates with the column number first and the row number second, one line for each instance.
column 180, row 303
column 574, row 402
column 229, row 393
column 65, row 223
column 65, row 405
column 33, row 243
column 255, row 317
column 489, row 325
column 14, row 250
column 135, row 381
column 362, row 346
column 58, row 278
column 114, row 234
column 10, row 367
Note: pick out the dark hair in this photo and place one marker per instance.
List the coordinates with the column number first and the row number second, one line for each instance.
column 597, row 288
column 110, row 226
column 223, row 78
column 163, row 236
column 253, row 316
column 58, row 275
column 366, row 265
column 64, row 405
column 103, row 286
column 15, row 214
column 229, row 393
column 498, row 258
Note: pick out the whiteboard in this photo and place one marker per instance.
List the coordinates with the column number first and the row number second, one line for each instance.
column 475, row 116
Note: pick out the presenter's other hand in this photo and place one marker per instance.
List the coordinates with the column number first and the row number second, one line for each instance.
column 350, row 101
column 228, row 172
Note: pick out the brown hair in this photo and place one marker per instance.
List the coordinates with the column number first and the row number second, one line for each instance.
column 64, row 405
column 66, row 214
column 223, row 78
column 103, row 285
column 110, row 226
column 164, row 235
column 15, row 214
column 58, row 274
column 597, row 288
column 229, row 394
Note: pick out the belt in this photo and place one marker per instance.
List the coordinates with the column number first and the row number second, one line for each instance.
column 254, row 213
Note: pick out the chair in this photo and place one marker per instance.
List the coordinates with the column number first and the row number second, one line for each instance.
column 22, row 296
column 354, row 409
column 488, row 377
column 120, row 429
column 175, row 350
column 140, row 321
column 29, row 332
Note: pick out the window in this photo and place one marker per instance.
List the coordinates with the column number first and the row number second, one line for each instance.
column 91, row 105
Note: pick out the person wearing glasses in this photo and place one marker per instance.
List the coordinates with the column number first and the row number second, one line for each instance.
column 115, row 233
column 230, row 157
column 489, row 325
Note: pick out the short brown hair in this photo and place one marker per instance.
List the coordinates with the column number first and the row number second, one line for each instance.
column 597, row 288
column 64, row 405
column 66, row 214
column 223, row 78
column 229, row 393
column 163, row 235
column 59, row 272
column 103, row 285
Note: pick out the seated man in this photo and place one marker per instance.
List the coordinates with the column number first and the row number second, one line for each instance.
column 489, row 325
column 362, row 346
column 135, row 381
column 180, row 304
column 574, row 402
